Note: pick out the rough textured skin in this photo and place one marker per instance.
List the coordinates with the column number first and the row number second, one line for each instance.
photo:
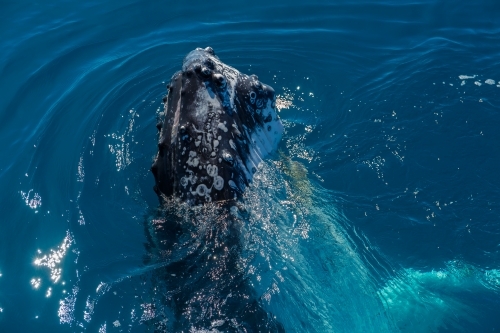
column 218, row 126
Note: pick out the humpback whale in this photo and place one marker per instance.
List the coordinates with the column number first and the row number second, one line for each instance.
column 217, row 126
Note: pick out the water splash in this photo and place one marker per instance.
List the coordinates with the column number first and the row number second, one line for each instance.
column 32, row 202
column 67, row 307
column 122, row 148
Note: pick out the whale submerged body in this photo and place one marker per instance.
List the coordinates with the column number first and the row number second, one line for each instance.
column 218, row 125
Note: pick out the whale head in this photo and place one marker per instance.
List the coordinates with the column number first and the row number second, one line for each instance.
column 218, row 125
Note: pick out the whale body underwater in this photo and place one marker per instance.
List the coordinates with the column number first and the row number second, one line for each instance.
column 216, row 128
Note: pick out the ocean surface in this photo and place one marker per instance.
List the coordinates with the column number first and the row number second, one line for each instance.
column 379, row 212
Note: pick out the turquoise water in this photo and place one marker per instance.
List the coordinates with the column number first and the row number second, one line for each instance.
column 378, row 214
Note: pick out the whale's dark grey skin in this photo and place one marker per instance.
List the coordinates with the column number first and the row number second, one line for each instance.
column 218, row 126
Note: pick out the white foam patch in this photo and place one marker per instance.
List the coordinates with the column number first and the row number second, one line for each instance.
column 489, row 81
column 465, row 77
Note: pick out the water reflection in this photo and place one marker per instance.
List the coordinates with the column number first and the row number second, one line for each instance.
column 53, row 260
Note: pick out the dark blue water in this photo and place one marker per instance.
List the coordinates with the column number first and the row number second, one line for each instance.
column 379, row 213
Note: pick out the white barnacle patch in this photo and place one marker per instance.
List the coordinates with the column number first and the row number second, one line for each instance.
column 202, row 190
column 212, row 170
column 216, row 143
column 193, row 160
column 190, row 179
column 222, row 127
column 197, row 141
column 232, row 144
column 184, row 181
column 218, row 183
column 253, row 96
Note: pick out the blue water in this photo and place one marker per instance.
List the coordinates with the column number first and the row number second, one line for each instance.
column 378, row 214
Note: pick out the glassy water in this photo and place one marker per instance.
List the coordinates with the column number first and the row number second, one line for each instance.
column 379, row 213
